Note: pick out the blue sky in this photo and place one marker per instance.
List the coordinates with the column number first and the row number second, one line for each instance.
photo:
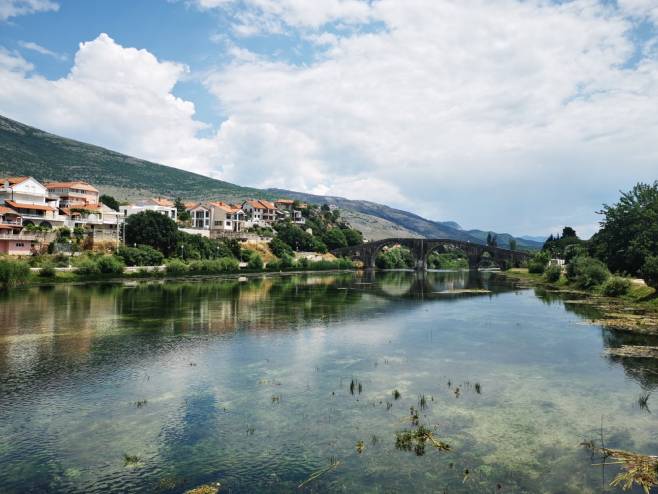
column 518, row 116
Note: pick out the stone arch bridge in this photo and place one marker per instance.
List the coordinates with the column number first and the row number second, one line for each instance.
column 421, row 248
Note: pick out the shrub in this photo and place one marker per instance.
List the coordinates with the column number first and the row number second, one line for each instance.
column 538, row 263
column 395, row 258
column 110, row 265
column 87, row 267
column 13, row 273
column 176, row 267
column 650, row 271
column 287, row 262
column 47, row 270
column 279, row 248
column 214, row 266
column 274, row 265
column 255, row 261
column 616, row 286
column 587, row 272
column 142, row 255
column 552, row 273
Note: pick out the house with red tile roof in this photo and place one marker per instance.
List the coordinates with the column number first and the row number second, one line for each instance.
column 259, row 211
column 74, row 193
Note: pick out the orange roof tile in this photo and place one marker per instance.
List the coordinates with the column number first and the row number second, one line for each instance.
column 4, row 210
column 39, row 207
column 72, row 185
column 13, row 180
column 226, row 207
column 162, row 201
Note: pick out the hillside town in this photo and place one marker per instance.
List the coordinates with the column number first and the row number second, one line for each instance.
column 31, row 212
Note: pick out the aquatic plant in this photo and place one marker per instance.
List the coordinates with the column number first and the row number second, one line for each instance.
column 389, row 405
column 360, row 446
column 141, row 403
column 333, row 463
column 416, row 439
column 205, row 489
column 352, row 386
column 478, row 388
column 643, row 401
column 276, row 399
column 422, row 402
column 396, row 394
column 131, row 460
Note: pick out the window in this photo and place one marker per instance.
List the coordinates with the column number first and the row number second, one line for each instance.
column 20, row 244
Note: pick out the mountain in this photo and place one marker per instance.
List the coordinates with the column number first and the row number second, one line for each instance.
column 25, row 150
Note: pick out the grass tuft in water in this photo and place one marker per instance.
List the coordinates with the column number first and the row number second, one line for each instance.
column 478, row 388
column 396, row 394
column 416, row 439
column 131, row 460
column 360, row 446
column 643, row 401
column 422, row 402
column 141, row 403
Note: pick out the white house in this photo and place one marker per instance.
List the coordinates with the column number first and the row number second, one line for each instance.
column 200, row 214
column 157, row 204
column 30, row 199
column 259, row 211
column 225, row 218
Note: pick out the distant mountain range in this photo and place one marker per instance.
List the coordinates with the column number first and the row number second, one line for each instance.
column 25, row 150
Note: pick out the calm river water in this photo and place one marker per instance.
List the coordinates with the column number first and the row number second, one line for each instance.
column 162, row 387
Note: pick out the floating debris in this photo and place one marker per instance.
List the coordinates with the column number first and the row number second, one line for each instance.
column 636, row 468
column 633, row 351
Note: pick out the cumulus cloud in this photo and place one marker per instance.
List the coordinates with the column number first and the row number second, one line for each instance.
column 468, row 109
column 113, row 96
column 14, row 8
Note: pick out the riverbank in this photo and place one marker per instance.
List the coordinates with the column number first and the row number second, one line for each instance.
column 636, row 311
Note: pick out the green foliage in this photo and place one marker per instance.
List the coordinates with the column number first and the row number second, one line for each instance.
column 566, row 246
column 629, row 230
column 616, row 286
column 110, row 265
column 214, row 266
column 63, row 234
column 152, row 229
column 255, row 262
column 395, row 258
column 512, row 243
column 109, row 201
column 176, row 267
column 274, row 265
column 334, row 239
column 650, row 271
column 279, row 248
column 538, row 263
column 447, row 260
column 47, row 270
column 182, row 213
column 97, row 265
column 142, row 255
column 353, row 237
column 13, row 273
column 552, row 273
column 492, row 239
column 287, row 261
column 587, row 272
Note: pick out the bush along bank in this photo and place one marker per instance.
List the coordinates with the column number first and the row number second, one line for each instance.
column 98, row 267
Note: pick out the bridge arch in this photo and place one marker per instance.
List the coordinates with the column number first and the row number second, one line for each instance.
column 421, row 249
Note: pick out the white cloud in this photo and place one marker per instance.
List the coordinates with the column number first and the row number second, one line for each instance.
column 13, row 63
column 113, row 96
column 13, row 8
column 470, row 108
column 30, row 45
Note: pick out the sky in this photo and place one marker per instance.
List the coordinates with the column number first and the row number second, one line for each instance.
column 514, row 116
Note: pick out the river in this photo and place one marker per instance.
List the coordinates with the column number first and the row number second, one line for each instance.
column 259, row 383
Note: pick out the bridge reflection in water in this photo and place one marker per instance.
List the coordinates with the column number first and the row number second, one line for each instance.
column 421, row 248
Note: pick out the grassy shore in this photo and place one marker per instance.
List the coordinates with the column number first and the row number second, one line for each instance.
column 636, row 311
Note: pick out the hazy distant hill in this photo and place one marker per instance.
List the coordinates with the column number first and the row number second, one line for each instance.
column 25, row 150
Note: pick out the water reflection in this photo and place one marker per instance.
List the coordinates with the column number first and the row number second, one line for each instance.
column 247, row 382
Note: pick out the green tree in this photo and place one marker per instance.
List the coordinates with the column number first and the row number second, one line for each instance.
column 492, row 239
column 650, row 271
column 512, row 243
column 335, row 239
column 153, row 229
column 629, row 230
column 353, row 237
column 109, row 201
column 182, row 213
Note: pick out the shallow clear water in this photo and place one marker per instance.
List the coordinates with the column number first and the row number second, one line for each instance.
column 248, row 383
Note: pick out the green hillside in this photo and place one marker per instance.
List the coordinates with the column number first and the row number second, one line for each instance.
column 25, row 150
